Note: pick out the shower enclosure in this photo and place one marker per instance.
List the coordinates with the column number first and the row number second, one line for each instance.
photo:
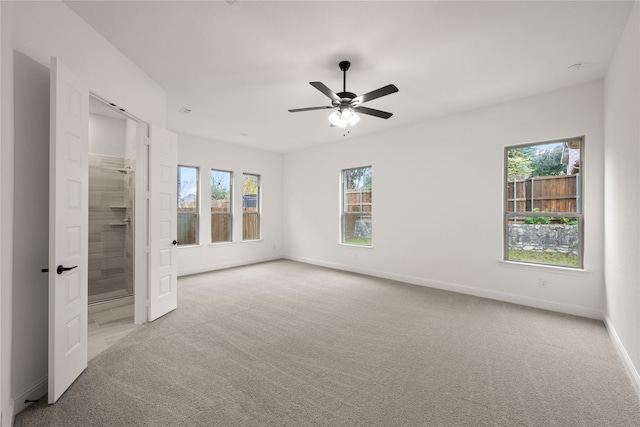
column 111, row 245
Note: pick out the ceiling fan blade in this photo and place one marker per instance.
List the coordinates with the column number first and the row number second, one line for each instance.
column 324, row 89
column 373, row 112
column 296, row 110
column 383, row 91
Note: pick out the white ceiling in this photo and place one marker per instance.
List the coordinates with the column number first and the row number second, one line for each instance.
column 239, row 66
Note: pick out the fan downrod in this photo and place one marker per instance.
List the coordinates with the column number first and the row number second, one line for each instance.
column 344, row 66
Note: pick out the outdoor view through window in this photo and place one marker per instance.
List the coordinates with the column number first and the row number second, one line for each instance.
column 356, row 206
column 543, row 203
column 187, row 205
column 250, row 207
column 221, row 211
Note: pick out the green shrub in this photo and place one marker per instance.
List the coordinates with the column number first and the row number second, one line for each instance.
column 537, row 219
column 567, row 221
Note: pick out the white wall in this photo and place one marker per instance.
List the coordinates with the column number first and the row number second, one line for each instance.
column 31, row 228
column 438, row 183
column 622, row 197
column 207, row 155
column 107, row 136
column 6, row 215
column 49, row 28
column 40, row 30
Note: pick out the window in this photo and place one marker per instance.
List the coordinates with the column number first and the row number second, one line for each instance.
column 187, row 205
column 543, row 203
column 356, row 206
column 221, row 210
column 250, row 207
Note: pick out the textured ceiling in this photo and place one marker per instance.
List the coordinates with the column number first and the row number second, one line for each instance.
column 239, row 66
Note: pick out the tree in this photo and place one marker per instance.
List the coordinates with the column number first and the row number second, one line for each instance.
column 549, row 162
column 250, row 185
column 358, row 178
column 219, row 191
column 186, row 184
column 519, row 162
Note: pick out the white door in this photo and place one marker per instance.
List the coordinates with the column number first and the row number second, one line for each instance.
column 68, row 221
column 163, row 181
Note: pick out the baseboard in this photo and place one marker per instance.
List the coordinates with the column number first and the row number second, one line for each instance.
column 632, row 372
column 576, row 310
column 230, row 264
column 35, row 392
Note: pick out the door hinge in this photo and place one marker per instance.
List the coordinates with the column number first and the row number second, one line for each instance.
column 147, row 195
column 147, row 140
column 146, row 303
column 146, row 249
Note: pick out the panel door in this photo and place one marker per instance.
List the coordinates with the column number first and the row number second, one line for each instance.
column 68, row 235
column 163, row 182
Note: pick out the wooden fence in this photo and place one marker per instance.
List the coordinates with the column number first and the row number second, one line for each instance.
column 250, row 226
column 220, row 227
column 357, row 209
column 358, row 200
column 221, row 221
column 544, row 193
column 187, row 228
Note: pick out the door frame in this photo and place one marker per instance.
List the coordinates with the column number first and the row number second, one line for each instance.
column 140, row 212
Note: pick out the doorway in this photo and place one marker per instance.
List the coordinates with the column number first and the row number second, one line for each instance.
column 111, row 226
column 112, row 168
column 155, row 277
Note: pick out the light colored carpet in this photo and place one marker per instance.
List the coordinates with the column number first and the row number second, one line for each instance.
column 289, row 344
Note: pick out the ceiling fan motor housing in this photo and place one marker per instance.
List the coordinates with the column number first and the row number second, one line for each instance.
column 345, row 97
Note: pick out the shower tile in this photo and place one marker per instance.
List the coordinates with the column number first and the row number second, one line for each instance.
column 107, row 242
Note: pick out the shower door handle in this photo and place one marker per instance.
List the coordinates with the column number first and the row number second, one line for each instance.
column 62, row 269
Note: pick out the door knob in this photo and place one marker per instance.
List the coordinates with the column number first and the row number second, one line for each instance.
column 175, row 242
column 61, row 269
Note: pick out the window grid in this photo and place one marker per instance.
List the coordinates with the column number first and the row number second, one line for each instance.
column 188, row 205
column 221, row 206
column 543, row 213
column 251, row 206
column 357, row 203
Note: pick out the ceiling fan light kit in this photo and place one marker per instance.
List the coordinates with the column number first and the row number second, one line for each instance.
column 345, row 116
column 348, row 103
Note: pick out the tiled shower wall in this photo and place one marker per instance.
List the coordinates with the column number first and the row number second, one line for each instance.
column 110, row 274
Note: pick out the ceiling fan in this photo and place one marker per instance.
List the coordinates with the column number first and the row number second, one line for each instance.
column 349, row 103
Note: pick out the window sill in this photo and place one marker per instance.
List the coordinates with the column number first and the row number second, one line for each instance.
column 351, row 245
column 251, row 241
column 189, row 246
column 221, row 243
column 546, row 268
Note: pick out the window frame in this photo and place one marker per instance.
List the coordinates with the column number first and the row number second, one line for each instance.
column 257, row 213
column 578, row 215
column 229, row 211
column 344, row 214
column 196, row 211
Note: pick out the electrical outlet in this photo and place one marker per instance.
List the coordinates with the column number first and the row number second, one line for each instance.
column 542, row 283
